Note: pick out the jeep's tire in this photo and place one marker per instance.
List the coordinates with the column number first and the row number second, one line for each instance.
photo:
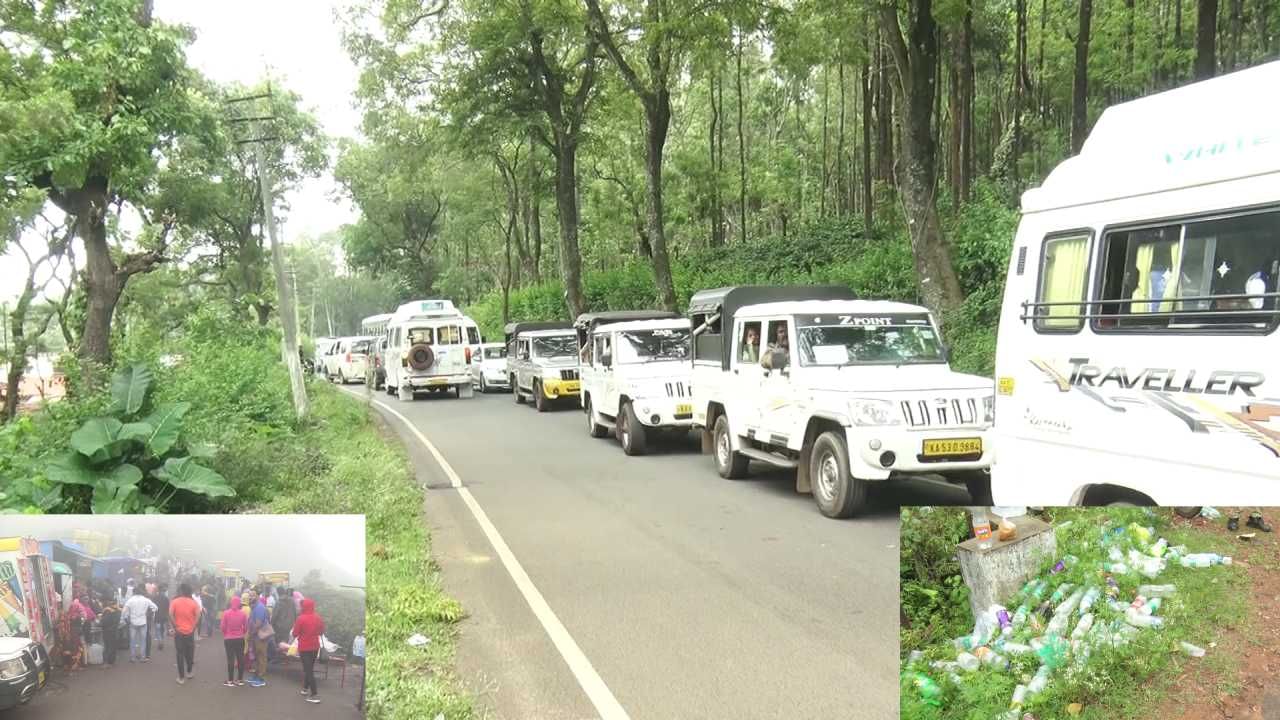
column 836, row 491
column 632, row 434
column 978, row 483
column 405, row 393
column 515, row 390
column 730, row 464
column 594, row 429
column 421, row 357
column 539, row 398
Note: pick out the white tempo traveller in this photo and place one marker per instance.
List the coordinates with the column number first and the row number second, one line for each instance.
column 428, row 350
column 1137, row 358
column 636, row 375
column 847, row 392
column 542, row 362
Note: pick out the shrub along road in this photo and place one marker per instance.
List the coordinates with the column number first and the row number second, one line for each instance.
column 688, row 595
column 150, row 690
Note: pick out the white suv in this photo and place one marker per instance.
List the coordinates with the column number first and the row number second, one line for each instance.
column 350, row 359
column 636, row 375
column 489, row 368
column 847, row 392
column 542, row 362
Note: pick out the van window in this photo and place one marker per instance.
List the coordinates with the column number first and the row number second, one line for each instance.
column 448, row 335
column 749, row 344
column 1064, row 270
column 473, row 336
column 1204, row 275
column 421, row 336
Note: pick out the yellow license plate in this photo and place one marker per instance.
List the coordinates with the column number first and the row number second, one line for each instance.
column 684, row 409
column 954, row 446
column 437, row 381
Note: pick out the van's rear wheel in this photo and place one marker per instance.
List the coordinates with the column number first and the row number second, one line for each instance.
column 836, row 491
column 729, row 464
column 539, row 397
column 594, row 429
column 631, row 432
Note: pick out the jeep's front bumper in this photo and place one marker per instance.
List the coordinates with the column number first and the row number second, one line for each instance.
column 554, row 388
column 664, row 412
column 876, row 452
column 428, row 382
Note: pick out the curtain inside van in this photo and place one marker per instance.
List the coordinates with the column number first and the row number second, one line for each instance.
column 1063, row 280
column 1157, row 283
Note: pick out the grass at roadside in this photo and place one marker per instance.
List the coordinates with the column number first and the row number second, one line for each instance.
column 1123, row 682
column 340, row 462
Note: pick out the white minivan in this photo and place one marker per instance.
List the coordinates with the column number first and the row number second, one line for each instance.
column 1137, row 359
column 429, row 349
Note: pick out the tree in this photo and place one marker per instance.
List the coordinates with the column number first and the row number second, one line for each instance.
column 1206, row 39
column 121, row 96
column 916, row 60
column 1080, row 88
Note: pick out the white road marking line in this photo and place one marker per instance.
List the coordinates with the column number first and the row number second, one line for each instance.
column 588, row 679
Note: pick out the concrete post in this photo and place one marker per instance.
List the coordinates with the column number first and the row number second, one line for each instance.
column 995, row 574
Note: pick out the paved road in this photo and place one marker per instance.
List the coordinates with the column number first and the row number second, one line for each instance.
column 138, row 691
column 691, row 596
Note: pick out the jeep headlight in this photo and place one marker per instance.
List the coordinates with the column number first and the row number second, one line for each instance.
column 873, row 412
column 10, row 669
column 989, row 409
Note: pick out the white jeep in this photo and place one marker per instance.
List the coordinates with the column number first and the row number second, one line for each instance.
column 847, row 392
column 542, row 362
column 635, row 375
column 427, row 350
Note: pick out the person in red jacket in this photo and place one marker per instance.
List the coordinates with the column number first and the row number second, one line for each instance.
column 308, row 628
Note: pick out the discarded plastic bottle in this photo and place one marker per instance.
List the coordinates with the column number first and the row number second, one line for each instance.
column 1020, row 616
column 982, row 528
column 914, row 657
column 1006, row 624
column 964, row 643
column 1158, row 548
column 1115, row 554
column 1113, row 588
column 1061, row 593
column 929, row 690
column 1138, row 602
column 1057, row 568
column 1157, row 591
column 1040, row 681
column 1052, row 651
column 1139, row 533
column 1118, row 568
column 1015, row 648
column 1090, row 597
column 1135, row 618
column 1203, row 560
column 1082, row 627
column 1019, row 697
column 994, row 659
column 1044, row 608
column 968, row 662
column 1191, row 650
column 1151, row 607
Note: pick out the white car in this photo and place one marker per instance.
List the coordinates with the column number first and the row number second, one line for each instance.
column 636, row 371
column 489, row 368
column 542, row 362
column 325, row 363
column 428, row 350
column 847, row 392
column 322, row 346
column 1138, row 330
column 349, row 360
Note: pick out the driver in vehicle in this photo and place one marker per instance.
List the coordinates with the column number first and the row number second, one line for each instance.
column 779, row 345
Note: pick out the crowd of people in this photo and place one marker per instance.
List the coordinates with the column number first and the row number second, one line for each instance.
column 258, row 624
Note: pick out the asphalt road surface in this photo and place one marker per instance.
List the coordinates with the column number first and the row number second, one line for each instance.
column 689, row 596
column 141, row 691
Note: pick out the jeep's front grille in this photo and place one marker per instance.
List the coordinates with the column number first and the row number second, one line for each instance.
column 941, row 412
column 679, row 389
column 568, row 374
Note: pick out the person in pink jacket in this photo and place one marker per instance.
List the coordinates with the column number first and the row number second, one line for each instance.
column 234, row 626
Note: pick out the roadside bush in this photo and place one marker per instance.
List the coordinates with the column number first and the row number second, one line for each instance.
column 935, row 601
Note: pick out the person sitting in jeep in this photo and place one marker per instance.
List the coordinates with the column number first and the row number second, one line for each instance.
column 779, row 345
column 751, row 344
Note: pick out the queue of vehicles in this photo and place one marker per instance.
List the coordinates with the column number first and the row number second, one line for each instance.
column 1134, row 342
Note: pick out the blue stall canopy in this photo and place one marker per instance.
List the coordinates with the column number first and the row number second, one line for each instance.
column 82, row 564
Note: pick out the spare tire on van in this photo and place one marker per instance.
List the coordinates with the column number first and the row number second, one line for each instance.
column 421, row 357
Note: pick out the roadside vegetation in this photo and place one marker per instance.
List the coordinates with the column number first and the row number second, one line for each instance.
column 1131, row 680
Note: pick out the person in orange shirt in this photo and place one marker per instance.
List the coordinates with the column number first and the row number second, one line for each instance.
column 184, row 612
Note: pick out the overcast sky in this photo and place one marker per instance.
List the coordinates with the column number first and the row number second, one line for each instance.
column 238, row 41
column 333, row 544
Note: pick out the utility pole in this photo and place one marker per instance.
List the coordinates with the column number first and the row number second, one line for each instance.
column 288, row 311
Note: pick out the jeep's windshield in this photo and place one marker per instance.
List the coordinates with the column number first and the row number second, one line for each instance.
column 836, row 340
column 553, row 346
column 495, row 353
column 641, row 346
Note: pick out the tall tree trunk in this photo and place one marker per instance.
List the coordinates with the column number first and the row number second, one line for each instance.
column 1177, row 40
column 826, row 175
column 717, row 214
column 967, row 77
column 868, row 202
column 567, row 206
column 657, row 122
column 1042, row 102
column 916, row 61
column 1237, row 35
column 1019, row 72
column 842, row 192
column 954, row 109
column 1128, row 49
column 1080, row 88
column 102, row 283
column 1206, row 39
column 884, row 119
column 742, row 153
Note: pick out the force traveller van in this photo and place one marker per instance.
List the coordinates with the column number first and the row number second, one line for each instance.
column 1137, row 358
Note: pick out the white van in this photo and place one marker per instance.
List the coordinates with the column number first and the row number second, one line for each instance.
column 845, row 392
column 1137, row 335
column 428, row 349
column 636, row 375
column 349, row 360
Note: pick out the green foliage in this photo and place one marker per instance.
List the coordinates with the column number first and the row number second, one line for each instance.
column 935, row 600
column 114, row 458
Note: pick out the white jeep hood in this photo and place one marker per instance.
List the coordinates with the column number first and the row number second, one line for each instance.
column 557, row 362
column 668, row 371
column 891, row 378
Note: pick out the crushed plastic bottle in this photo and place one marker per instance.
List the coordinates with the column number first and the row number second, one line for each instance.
column 929, row 690
column 1204, row 560
column 968, row 662
column 1158, row 548
column 1140, row 534
column 1191, row 650
column 1210, row 513
column 1135, row 618
column 1151, row 607
column 1157, row 591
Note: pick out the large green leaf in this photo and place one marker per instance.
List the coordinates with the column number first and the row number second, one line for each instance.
column 95, row 436
column 122, row 476
column 186, row 474
column 139, row 431
column 71, row 468
column 110, row 498
column 166, row 422
column 129, row 388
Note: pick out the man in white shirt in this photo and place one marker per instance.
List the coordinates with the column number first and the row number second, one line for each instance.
column 134, row 615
